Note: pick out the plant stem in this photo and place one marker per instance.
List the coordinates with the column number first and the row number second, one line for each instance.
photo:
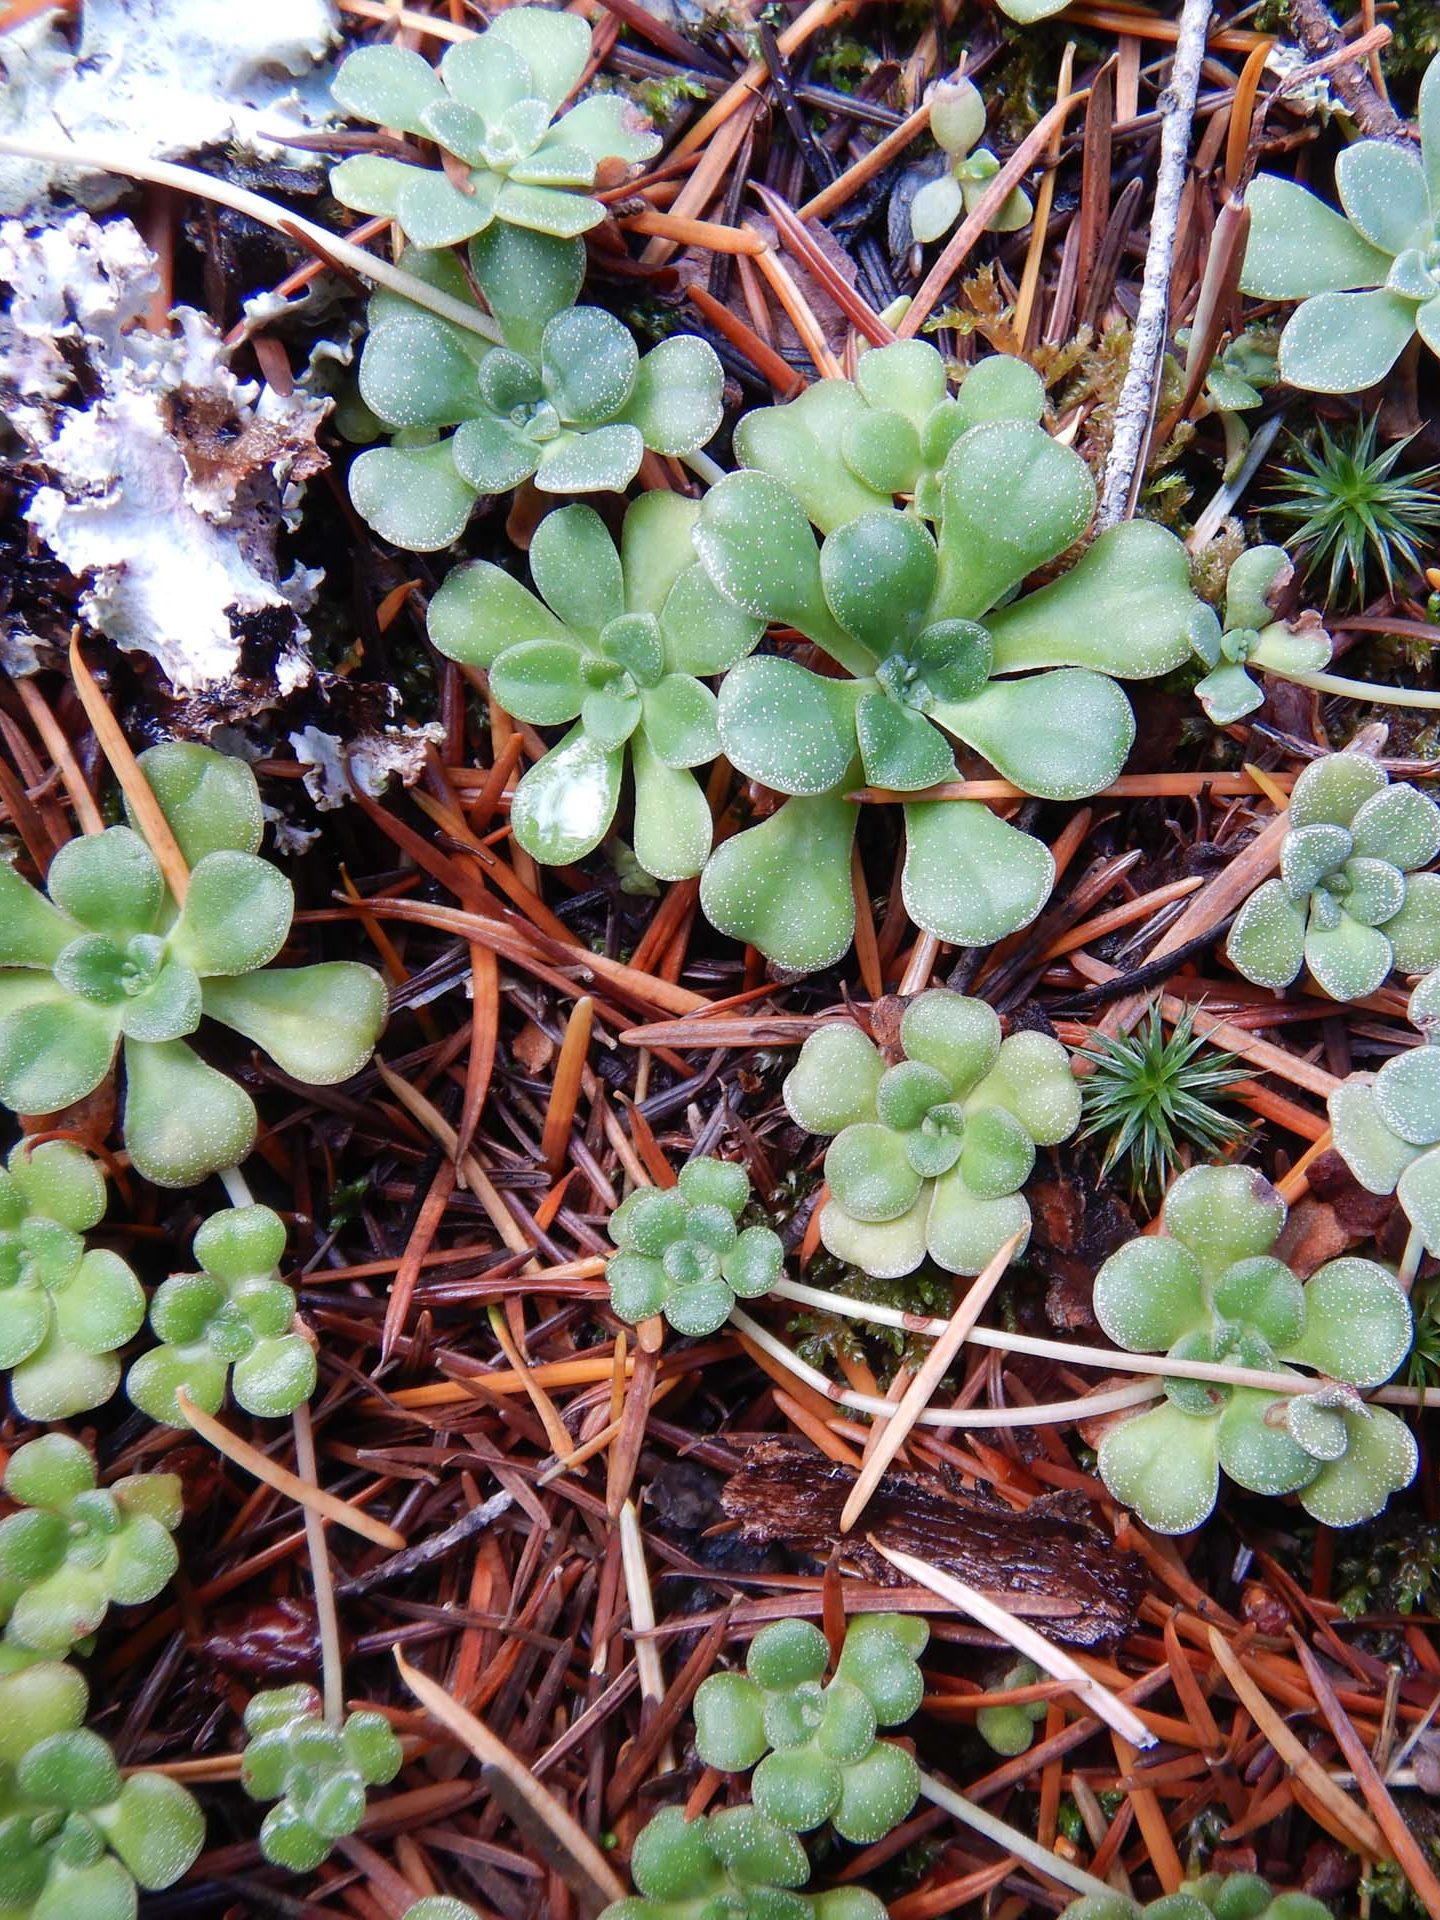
column 1135, row 409
column 1054, row 1414
column 1362, row 690
column 1012, row 1839
column 332, row 1670
column 329, row 246
column 1111, row 1359
column 237, row 1187
column 703, row 467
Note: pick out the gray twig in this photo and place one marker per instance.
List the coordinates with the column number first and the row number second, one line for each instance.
column 1135, row 410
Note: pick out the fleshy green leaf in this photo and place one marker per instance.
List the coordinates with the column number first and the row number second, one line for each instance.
column 318, row 1024
column 412, row 496
column 109, row 882
column 1257, row 1452
column 53, row 1051
column 1165, row 1465
column 673, row 829
column 834, row 1081
column 1400, row 825
column 183, row 1120
column 1224, row 1214
column 416, row 371
column 784, row 886
column 899, row 748
column 1343, row 342
column 758, row 549
column 869, row 1173
column 554, row 46
column 1267, row 941
column 1148, row 1294
column 936, row 208
column 1357, row 1322
column 577, row 570
column 1407, row 1095
column 564, row 805
column 1381, row 1459
column 1125, row 608
column 1382, row 189
column 211, row 800
column 588, row 361
column 236, row 915
column 1418, row 1190
column 1013, row 498
column 797, row 443
column 680, row 725
column 388, row 85
column 906, row 377
column 32, row 933
column 1414, row 932
column 969, row 876
column 1348, row 960
column 887, row 1249
column 878, row 573
column 965, row 1230
column 1299, row 246
column 1061, row 735
column 1374, row 1154
column 676, row 398
column 787, row 727
column 479, row 611
column 597, row 460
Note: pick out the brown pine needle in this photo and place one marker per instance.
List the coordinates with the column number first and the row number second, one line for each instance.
column 126, row 769
column 1095, row 1696
column 576, row 1857
column 565, row 1087
column 917, row 1395
column 328, row 1505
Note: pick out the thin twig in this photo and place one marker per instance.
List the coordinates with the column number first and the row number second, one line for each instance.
column 1135, row 411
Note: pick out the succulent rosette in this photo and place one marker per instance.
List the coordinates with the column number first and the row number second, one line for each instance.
column 930, row 1153
column 957, row 125
column 1252, row 638
column 105, row 962
column 1214, row 1896
column 735, row 1864
column 1350, row 903
column 616, row 646
column 1367, row 279
column 1386, row 1125
column 317, row 1774
column 564, row 399
column 812, row 1742
column 76, row 1549
column 934, row 649
column 490, row 105
column 231, row 1323
column 64, row 1308
column 1208, row 1288
column 76, row 1836
column 681, row 1252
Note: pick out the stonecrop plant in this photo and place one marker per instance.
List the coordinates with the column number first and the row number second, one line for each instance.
column 1251, row 637
column 77, row 1839
column 957, row 125
column 1209, row 1289
column 1010, row 1729
column 930, row 1153
column 76, row 1549
column 847, row 447
column 232, row 1322
column 732, row 1865
column 64, row 1308
column 813, row 1743
column 1214, row 1896
column 106, row 960
column 681, row 1252
column 1368, row 281
column 1386, row 1125
column 318, row 1774
column 489, row 106
column 1350, row 903
column 567, row 400
column 928, row 634
column 616, row 648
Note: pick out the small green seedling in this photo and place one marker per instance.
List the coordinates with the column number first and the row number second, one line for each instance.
column 319, row 1774
column 957, row 123
column 490, row 107
column 1215, row 1896
column 1369, row 281
column 1387, row 1124
column 811, row 1742
column 847, row 447
column 108, row 962
column 733, row 1865
column 927, row 630
column 616, row 649
column 1011, row 1730
column 1253, row 638
column 1209, row 1289
column 566, row 401
column 64, row 1310
column 930, row 1154
column 236, row 1313
column 77, row 1839
column 682, row 1254
column 1148, row 1096
column 77, row 1549
column 1349, row 903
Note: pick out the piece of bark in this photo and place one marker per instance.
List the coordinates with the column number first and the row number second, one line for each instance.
column 1049, row 1561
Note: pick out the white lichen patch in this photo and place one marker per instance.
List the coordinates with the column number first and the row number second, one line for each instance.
column 165, row 479
column 161, row 79
column 374, row 759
